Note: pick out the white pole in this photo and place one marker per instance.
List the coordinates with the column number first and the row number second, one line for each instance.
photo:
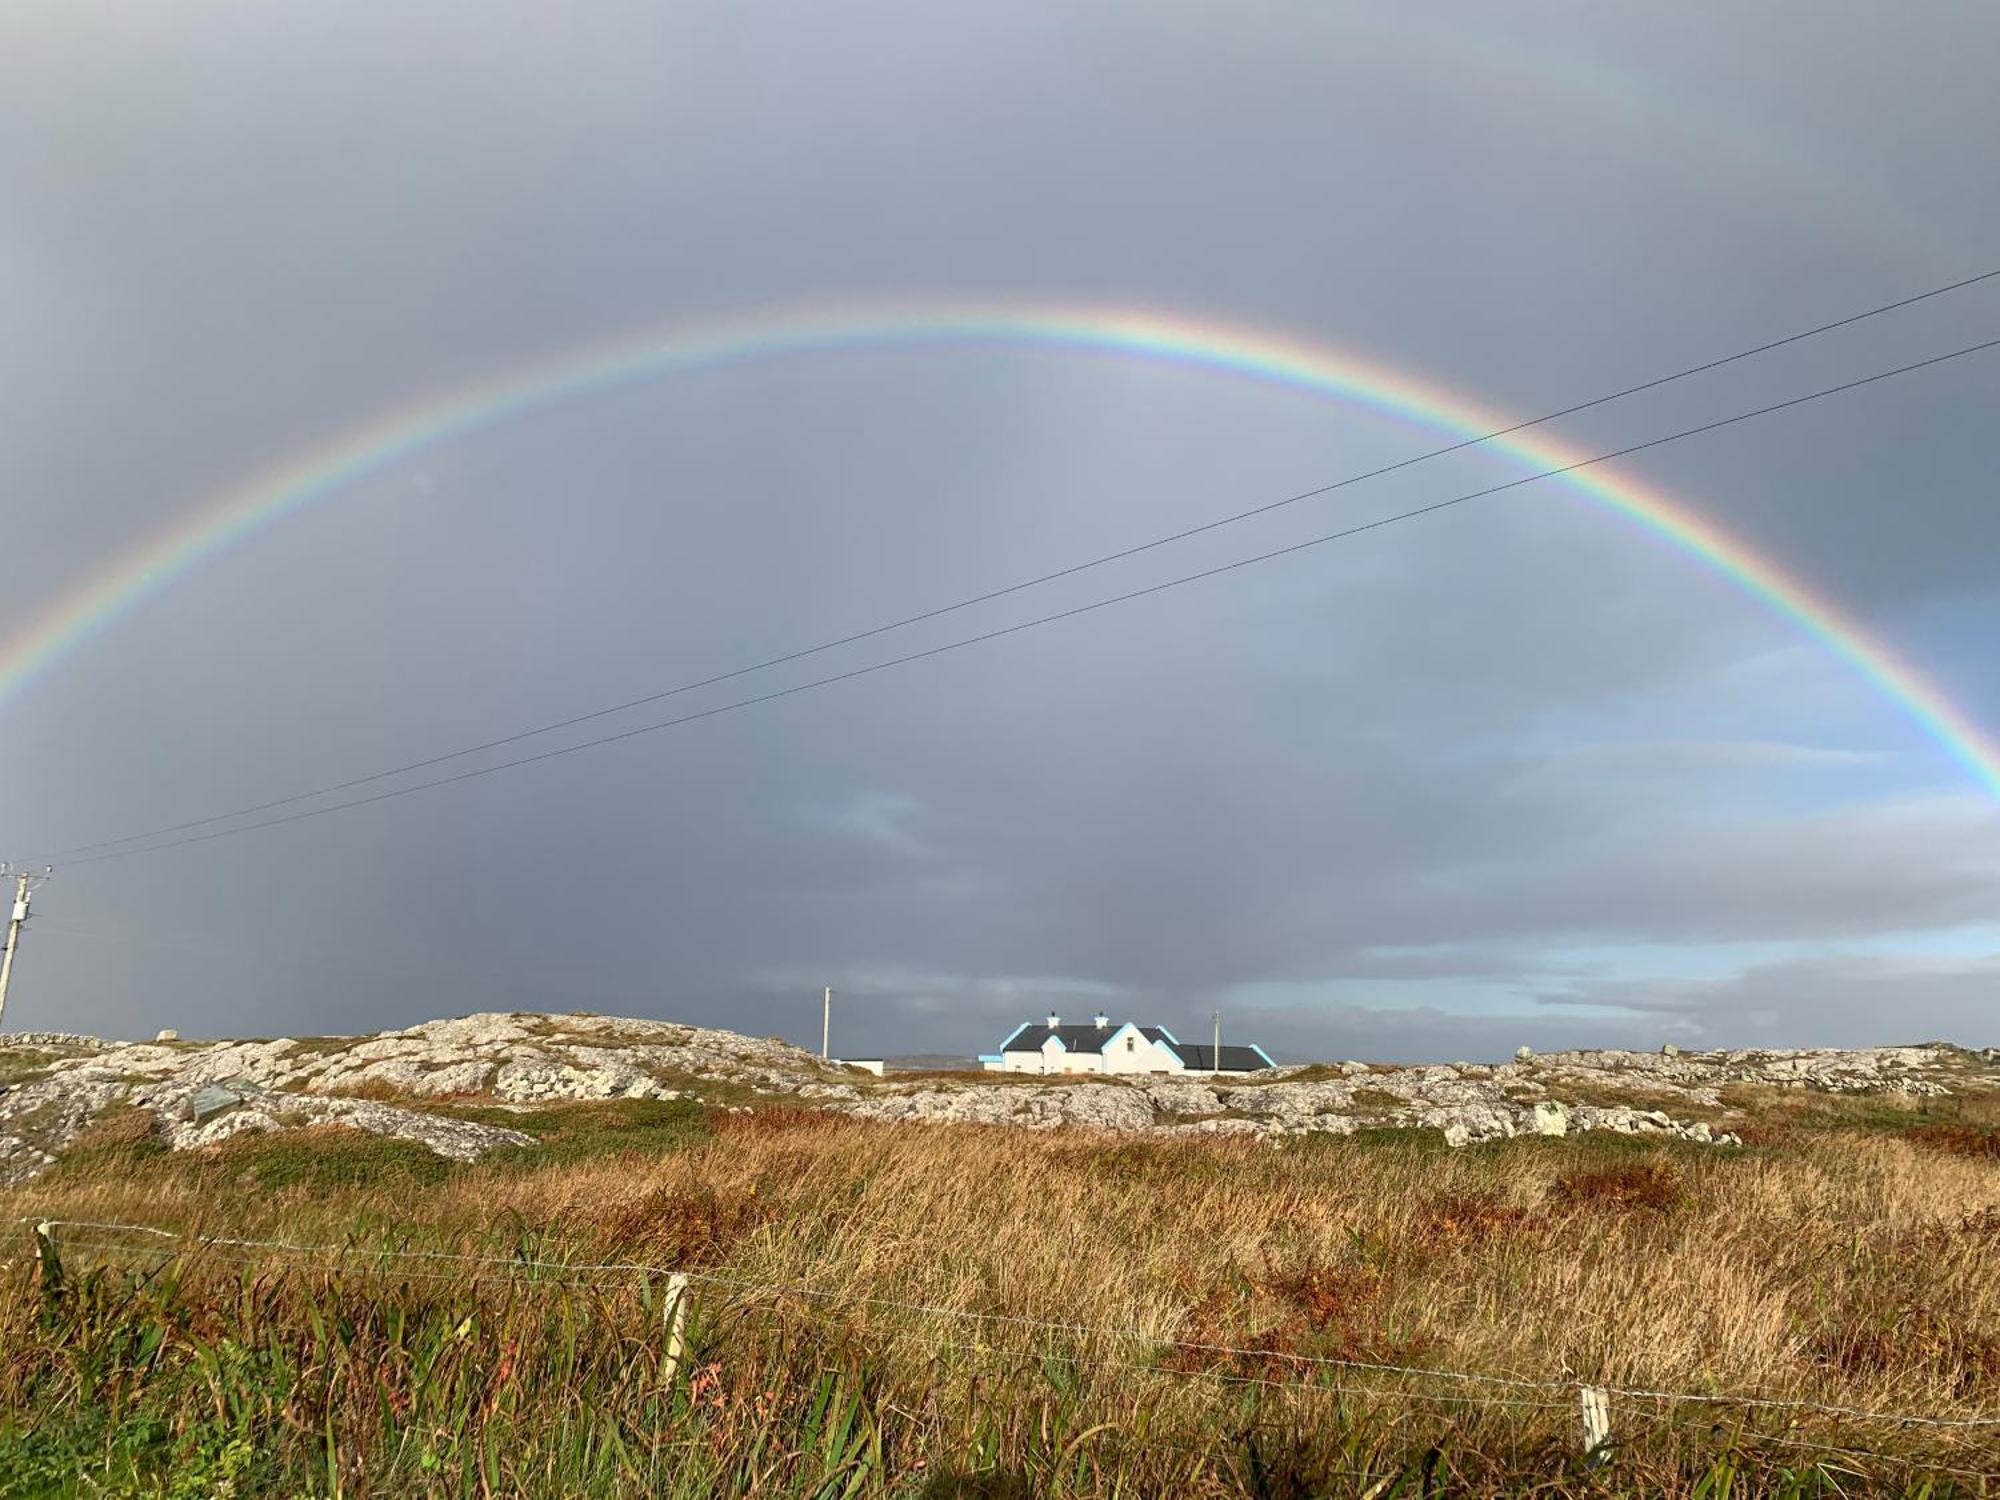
column 13, row 937
column 1596, row 1404
column 48, row 1264
column 677, row 1299
column 826, row 1025
column 1215, row 1057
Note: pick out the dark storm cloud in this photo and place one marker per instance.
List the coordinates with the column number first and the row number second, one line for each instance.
column 1852, row 1001
column 1434, row 762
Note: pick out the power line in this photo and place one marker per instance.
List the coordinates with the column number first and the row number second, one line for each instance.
column 1035, row 582
column 1039, row 620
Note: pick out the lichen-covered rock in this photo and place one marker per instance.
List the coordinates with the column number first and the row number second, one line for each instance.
column 1548, row 1118
column 528, row 1060
column 21, row 1161
column 460, row 1140
column 1111, row 1105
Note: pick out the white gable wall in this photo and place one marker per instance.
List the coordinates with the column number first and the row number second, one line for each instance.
column 1129, row 1051
column 1126, row 1050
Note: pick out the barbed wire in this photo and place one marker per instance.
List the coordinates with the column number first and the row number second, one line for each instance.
column 934, row 1339
column 1751, row 1437
column 569, row 1270
column 802, row 1288
column 1744, row 1438
column 1222, row 1377
column 929, row 1339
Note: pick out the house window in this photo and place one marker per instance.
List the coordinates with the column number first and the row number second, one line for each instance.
column 1131, row 1044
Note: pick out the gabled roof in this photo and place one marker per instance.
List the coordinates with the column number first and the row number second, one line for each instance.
column 1085, row 1038
column 1234, row 1059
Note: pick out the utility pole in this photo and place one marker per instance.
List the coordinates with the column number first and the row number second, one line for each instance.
column 23, row 884
column 1215, row 1057
column 826, row 1025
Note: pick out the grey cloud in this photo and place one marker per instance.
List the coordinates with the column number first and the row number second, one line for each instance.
column 1856, row 1001
column 1434, row 757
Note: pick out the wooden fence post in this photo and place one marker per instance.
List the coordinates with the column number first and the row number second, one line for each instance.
column 1596, row 1403
column 676, row 1318
column 48, row 1262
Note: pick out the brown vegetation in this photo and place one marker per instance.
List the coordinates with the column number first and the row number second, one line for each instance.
column 995, row 1297
column 1957, row 1140
column 1621, row 1188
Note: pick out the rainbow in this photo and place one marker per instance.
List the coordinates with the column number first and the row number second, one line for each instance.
column 1187, row 343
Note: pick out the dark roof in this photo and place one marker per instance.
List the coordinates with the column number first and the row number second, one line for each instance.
column 1234, row 1059
column 1085, row 1038
column 1090, row 1038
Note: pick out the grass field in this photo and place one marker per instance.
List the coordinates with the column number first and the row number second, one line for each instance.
column 979, row 1311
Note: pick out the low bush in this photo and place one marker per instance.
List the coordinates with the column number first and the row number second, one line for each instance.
column 1628, row 1187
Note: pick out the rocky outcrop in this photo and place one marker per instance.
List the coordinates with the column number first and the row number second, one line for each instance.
column 203, row 1092
column 510, row 1054
column 58, row 1040
column 461, row 1140
column 191, row 1111
column 1546, row 1094
column 1912, row 1070
column 1114, row 1106
column 1466, row 1103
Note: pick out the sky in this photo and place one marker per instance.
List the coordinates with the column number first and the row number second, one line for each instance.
column 1517, row 772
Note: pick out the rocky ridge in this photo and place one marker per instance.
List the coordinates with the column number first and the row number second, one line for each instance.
column 200, row 1093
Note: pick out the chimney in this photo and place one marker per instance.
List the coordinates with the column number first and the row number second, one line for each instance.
column 1103, row 1021
column 1054, row 1020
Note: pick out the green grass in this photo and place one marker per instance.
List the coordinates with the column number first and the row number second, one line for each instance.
column 629, row 1129
column 26, row 1064
column 1311, row 1073
column 1390, row 1140
column 202, row 1381
column 333, row 1158
column 1593, row 1255
column 1616, row 1096
column 1778, row 1109
column 324, row 1160
column 1378, row 1099
column 318, row 1046
column 1591, row 1145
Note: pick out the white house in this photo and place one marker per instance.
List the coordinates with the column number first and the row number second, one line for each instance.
column 1101, row 1047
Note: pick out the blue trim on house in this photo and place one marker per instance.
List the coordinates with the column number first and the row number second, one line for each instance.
column 1016, row 1032
column 1168, row 1035
column 1263, row 1054
column 987, row 1057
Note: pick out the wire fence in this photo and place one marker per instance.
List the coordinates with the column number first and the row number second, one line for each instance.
column 1478, row 1389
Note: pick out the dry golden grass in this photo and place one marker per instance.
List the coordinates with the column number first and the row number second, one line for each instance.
column 1695, row 1270
column 1849, row 1266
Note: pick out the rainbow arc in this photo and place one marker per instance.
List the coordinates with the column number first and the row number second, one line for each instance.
column 1238, row 352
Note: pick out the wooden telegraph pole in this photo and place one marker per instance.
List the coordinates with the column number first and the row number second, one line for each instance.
column 21, row 889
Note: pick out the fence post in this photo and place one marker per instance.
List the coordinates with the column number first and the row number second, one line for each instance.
column 676, row 1318
column 1596, row 1404
column 48, row 1261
